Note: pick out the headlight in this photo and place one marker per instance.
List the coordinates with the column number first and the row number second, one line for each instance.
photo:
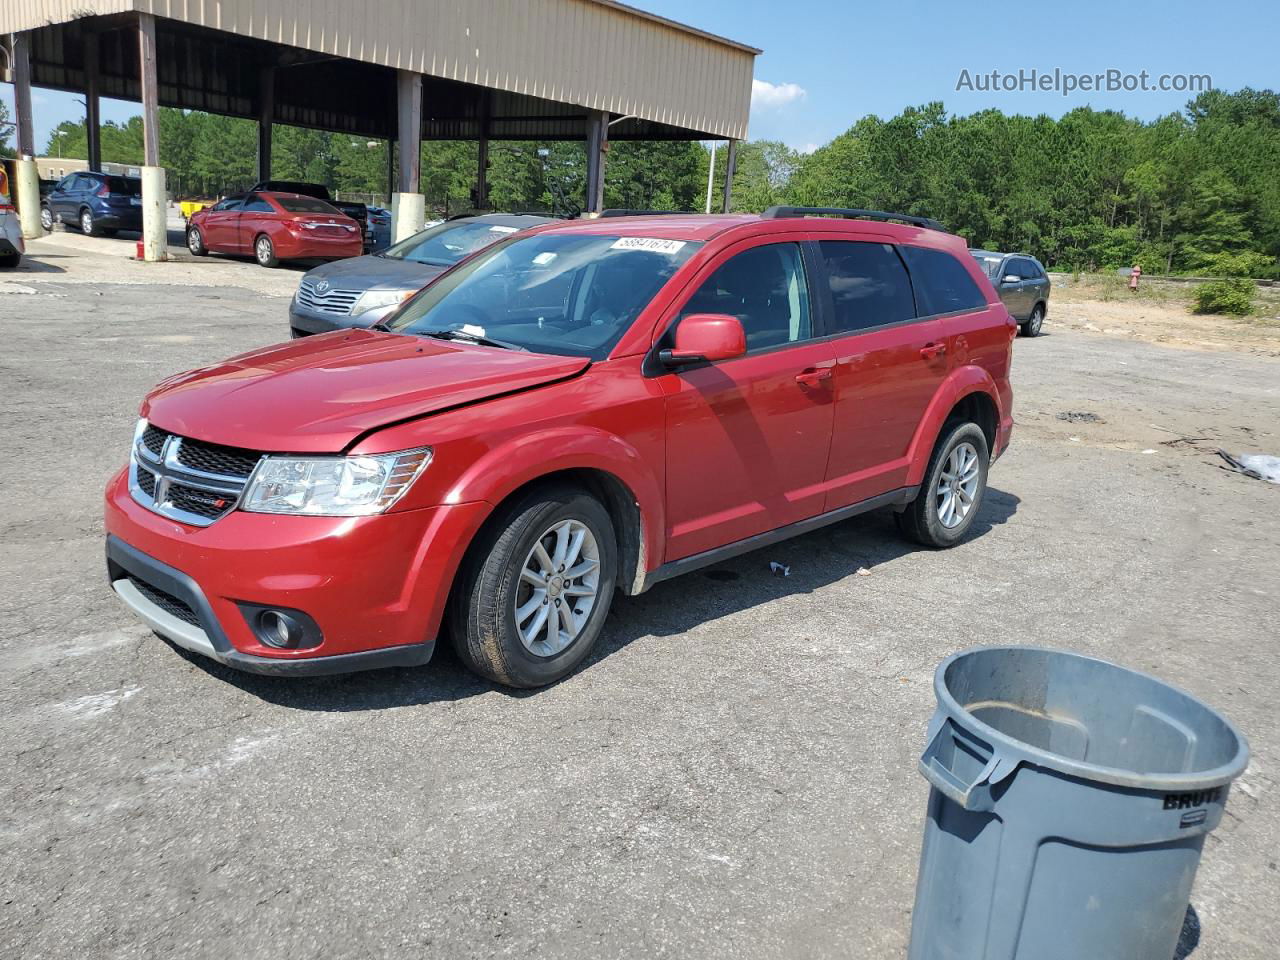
column 333, row 486
column 373, row 299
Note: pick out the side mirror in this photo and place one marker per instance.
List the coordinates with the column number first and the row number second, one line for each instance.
column 1011, row 278
column 706, row 337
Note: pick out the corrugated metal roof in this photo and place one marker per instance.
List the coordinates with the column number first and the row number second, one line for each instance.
column 592, row 54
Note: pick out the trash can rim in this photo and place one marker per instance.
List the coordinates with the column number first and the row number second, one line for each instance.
column 1018, row 750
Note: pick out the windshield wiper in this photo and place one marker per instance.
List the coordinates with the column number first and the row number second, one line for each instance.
column 380, row 327
column 470, row 338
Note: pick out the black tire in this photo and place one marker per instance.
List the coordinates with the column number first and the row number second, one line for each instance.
column 10, row 260
column 1032, row 326
column 920, row 520
column 482, row 607
column 88, row 226
column 264, row 251
column 195, row 242
column 46, row 219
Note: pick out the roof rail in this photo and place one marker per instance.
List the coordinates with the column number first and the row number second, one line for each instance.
column 775, row 213
column 624, row 212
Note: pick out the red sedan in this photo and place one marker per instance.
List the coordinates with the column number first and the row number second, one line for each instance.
column 274, row 227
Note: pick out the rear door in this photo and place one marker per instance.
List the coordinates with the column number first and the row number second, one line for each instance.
column 748, row 438
column 256, row 216
column 890, row 361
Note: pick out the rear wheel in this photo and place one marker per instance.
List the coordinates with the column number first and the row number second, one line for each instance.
column 949, row 499
column 1031, row 326
column 87, row 225
column 264, row 251
column 534, row 593
column 195, row 242
column 10, row 260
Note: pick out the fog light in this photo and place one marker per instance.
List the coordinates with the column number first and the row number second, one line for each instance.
column 277, row 629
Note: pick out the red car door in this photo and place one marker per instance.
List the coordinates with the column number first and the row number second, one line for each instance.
column 218, row 225
column 748, row 438
column 256, row 216
column 890, row 363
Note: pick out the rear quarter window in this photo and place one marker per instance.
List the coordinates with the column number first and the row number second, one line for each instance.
column 942, row 283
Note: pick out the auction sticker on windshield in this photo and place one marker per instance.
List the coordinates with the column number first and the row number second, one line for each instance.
column 652, row 244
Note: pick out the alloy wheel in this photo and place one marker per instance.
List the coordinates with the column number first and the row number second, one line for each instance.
column 559, row 582
column 263, row 249
column 194, row 240
column 957, row 485
column 46, row 218
column 86, row 222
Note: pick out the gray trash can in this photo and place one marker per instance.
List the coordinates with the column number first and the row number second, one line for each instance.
column 1070, row 800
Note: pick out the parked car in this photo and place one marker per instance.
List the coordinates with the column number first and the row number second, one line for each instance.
column 588, row 406
column 12, row 246
column 1023, row 286
column 364, row 291
column 97, row 203
column 356, row 211
column 379, row 228
column 273, row 227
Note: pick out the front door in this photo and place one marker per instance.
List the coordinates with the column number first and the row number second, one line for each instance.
column 889, row 365
column 748, row 438
column 219, row 225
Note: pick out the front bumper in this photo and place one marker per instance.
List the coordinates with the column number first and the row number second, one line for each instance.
column 304, row 322
column 374, row 586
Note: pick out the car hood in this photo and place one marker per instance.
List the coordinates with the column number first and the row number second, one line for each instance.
column 365, row 273
column 318, row 394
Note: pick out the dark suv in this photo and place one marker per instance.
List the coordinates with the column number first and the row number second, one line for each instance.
column 97, row 203
column 1023, row 286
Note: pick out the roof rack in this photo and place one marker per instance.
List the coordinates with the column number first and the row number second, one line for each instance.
column 624, row 212
column 775, row 213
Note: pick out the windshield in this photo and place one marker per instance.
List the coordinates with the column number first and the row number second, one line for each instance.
column 306, row 205
column 447, row 243
column 989, row 262
column 568, row 294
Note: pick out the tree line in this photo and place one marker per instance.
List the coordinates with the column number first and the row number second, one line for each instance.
column 1194, row 192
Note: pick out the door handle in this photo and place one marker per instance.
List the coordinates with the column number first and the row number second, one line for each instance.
column 931, row 351
column 814, row 377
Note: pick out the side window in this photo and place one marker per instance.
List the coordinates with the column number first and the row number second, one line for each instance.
column 230, row 203
column 1024, row 268
column 1035, row 271
column 765, row 288
column 869, row 284
column 942, row 283
column 256, row 204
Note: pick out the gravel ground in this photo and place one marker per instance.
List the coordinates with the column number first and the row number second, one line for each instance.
column 733, row 773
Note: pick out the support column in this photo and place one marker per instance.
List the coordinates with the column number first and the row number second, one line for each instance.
column 25, row 174
column 482, row 157
column 730, row 168
column 266, row 117
column 409, row 206
column 155, row 225
column 391, row 171
column 92, row 117
column 597, row 147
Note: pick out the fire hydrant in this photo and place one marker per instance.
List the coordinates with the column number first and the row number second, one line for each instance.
column 1134, row 275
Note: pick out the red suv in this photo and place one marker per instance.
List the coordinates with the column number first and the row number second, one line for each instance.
column 585, row 407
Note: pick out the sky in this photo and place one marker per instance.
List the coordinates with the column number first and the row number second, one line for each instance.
column 826, row 63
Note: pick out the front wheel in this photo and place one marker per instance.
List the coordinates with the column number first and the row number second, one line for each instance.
column 534, row 593
column 46, row 219
column 949, row 499
column 1031, row 326
column 265, row 252
column 195, row 242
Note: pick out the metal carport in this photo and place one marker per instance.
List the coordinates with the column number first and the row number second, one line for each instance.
column 403, row 70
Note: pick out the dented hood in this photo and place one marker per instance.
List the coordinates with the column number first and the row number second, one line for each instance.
column 318, row 394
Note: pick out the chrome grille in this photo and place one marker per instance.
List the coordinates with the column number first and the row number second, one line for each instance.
column 189, row 480
column 327, row 300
